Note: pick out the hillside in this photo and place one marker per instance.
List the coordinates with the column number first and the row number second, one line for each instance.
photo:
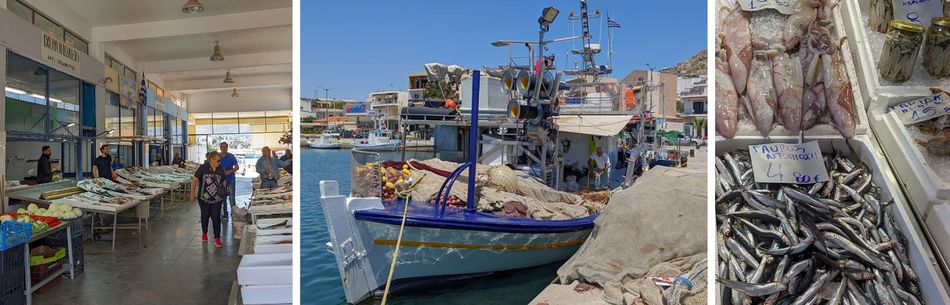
column 692, row 66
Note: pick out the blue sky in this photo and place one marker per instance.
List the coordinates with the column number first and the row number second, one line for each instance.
column 358, row 47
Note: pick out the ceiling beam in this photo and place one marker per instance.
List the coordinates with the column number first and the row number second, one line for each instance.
column 240, row 82
column 234, row 61
column 194, row 26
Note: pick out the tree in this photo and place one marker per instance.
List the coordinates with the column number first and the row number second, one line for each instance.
column 432, row 90
column 700, row 124
column 287, row 138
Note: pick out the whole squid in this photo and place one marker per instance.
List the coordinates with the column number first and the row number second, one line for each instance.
column 727, row 100
column 838, row 93
column 788, row 78
column 737, row 41
column 761, row 93
column 797, row 24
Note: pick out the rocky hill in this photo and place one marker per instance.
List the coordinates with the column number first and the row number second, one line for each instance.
column 693, row 66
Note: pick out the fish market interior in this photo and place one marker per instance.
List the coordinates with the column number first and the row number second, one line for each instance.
column 110, row 109
column 832, row 149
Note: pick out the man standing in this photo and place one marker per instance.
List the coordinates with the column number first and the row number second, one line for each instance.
column 287, row 157
column 602, row 163
column 230, row 165
column 268, row 166
column 44, row 170
column 102, row 165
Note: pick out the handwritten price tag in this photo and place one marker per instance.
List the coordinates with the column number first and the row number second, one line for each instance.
column 923, row 109
column 787, row 7
column 788, row 163
column 917, row 11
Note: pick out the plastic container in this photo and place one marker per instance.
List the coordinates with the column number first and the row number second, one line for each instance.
column 923, row 181
column 864, row 43
column 932, row 284
column 267, row 294
column 266, row 269
column 13, row 233
column 12, row 281
column 39, row 273
column 746, row 127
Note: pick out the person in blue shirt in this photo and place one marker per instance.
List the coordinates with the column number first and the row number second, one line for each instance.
column 116, row 164
column 268, row 166
column 230, row 165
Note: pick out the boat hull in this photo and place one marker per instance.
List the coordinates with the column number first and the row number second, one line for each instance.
column 364, row 235
column 376, row 147
column 326, row 146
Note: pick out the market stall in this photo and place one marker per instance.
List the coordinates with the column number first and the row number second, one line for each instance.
column 266, row 270
column 832, row 125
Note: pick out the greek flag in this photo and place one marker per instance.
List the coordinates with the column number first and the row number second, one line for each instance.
column 612, row 23
column 143, row 94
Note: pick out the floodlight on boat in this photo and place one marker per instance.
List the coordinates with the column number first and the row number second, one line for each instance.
column 508, row 80
column 524, row 83
column 547, row 16
column 522, row 110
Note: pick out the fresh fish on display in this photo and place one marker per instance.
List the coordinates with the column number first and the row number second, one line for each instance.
column 832, row 242
column 797, row 24
column 769, row 27
column 838, row 94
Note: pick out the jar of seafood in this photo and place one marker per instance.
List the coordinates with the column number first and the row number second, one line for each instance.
column 880, row 14
column 937, row 48
column 900, row 50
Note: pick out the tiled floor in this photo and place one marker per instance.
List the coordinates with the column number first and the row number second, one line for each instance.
column 176, row 267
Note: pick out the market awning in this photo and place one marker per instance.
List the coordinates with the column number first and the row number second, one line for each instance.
column 595, row 125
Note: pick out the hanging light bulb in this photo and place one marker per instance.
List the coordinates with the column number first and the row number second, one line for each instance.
column 227, row 77
column 216, row 56
column 192, row 7
column 234, row 93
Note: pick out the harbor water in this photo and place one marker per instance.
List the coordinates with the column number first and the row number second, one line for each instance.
column 320, row 280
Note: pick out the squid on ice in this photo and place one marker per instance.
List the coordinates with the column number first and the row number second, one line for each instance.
column 737, row 41
column 727, row 100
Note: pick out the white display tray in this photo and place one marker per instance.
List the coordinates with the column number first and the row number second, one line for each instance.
column 265, row 244
column 267, row 294
column 932, row 284
column 859, row 40
column 747, row 128
column 266, row 269
column 938, row 223
column 924, row 185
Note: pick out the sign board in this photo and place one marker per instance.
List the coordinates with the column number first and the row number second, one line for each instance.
column 128, row 90
column 923, row 109
column 788, row 163
column 787, row 7
column 59, row 54
column 357, row 109
column 917, row 11
column 111, row 79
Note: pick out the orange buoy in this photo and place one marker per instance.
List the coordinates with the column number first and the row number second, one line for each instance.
column 449, row 103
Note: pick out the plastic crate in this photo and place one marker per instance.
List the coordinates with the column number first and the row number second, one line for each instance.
column 12, row 285
column 39, row 273
column 14, row 233
column 78, row 258
column 59, row 238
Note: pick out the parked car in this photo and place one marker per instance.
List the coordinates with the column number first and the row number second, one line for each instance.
column 677, row 138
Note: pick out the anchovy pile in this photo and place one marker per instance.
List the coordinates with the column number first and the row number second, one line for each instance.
column 803, row 244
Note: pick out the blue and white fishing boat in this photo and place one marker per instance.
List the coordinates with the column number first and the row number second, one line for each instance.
column 377, row 140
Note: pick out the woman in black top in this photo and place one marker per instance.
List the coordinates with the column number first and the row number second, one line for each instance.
column 211, row 190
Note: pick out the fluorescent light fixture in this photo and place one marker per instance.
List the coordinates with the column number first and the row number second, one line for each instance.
column 14, row 90
column 70, row 125
column 38, row 96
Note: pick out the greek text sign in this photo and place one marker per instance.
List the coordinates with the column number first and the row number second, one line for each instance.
column 788, row 163
column 60, row 55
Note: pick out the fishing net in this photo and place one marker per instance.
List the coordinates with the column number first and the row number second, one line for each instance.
column 503, row 188
column 655, row 228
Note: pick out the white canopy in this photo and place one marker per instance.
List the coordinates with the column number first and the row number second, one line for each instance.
column 595, row 125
